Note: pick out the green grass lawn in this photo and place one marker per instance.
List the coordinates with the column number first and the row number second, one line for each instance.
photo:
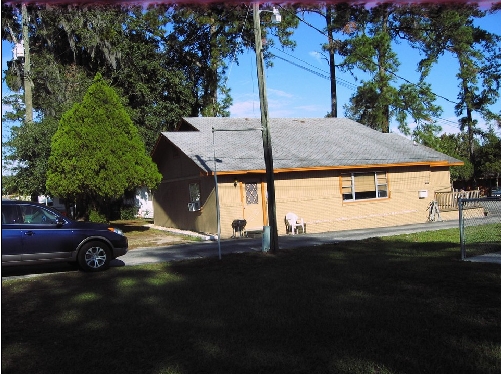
column 402, row 304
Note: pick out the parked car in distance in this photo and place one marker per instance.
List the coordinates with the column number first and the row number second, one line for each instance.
column 33, row 233
column 496, row 192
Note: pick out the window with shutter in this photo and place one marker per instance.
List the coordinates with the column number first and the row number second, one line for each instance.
column 361, row 186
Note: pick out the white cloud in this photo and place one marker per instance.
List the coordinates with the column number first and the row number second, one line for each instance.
column 279, row 93
column 252, row 109
column 281, row 113
column 311, row 108
column 280, row 104
column 316, row 55
column 248, row 109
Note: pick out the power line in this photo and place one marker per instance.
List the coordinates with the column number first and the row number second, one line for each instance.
column 297, row 58
column 321, row 73
column 302, row 67
column 349, row 85
column 366, row 59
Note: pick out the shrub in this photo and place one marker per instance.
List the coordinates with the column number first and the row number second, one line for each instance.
column 128, row 212
column 95, row 216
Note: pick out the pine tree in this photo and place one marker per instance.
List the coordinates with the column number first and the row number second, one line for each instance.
column 380, row 99
column 488, row 156
column 450, row 29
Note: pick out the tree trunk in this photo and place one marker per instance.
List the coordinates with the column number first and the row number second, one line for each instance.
column 469, row 120
column 210, row 95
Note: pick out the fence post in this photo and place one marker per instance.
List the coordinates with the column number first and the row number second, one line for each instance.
column 461, row 228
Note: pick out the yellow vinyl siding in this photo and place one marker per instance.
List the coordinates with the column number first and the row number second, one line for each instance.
column 315, row 196
column 318, row 199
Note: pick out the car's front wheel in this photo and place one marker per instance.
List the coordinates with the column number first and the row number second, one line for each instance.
column 94, row 256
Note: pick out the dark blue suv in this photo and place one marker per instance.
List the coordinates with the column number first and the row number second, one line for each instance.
column 33, row 233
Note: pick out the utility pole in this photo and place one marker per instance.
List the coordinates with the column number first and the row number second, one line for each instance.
column 28, row 96
column 332, row 66
column 268, row 156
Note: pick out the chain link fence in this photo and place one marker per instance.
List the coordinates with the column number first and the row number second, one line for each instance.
column 479, row 226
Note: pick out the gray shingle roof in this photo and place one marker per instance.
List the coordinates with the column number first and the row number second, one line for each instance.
column 296, row 143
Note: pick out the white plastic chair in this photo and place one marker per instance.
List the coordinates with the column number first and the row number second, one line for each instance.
column 292, row 222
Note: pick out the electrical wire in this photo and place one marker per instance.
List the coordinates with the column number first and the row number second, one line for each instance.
column 349, row 85
column 363, row 57
column 321, row 73
column 325, row 75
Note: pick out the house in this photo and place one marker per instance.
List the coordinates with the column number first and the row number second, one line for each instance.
column 143, row 201
column 54, row 202
column 334, row 173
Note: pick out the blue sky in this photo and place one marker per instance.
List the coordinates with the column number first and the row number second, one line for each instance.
column 294, row 92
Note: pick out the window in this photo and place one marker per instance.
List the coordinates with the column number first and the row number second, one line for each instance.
column 251, row 196
column 11, row 214
column 36, row 215
column 194, row 190
column 360, row 186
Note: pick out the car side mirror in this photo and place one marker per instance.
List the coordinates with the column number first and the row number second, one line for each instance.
column 60, row 222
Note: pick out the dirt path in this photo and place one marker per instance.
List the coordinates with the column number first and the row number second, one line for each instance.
column 154, row 236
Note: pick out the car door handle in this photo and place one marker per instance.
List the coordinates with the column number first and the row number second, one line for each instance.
column 29, row 233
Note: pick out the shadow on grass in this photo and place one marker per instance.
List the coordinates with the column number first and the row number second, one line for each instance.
column 378, row 305
column 14, row 271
